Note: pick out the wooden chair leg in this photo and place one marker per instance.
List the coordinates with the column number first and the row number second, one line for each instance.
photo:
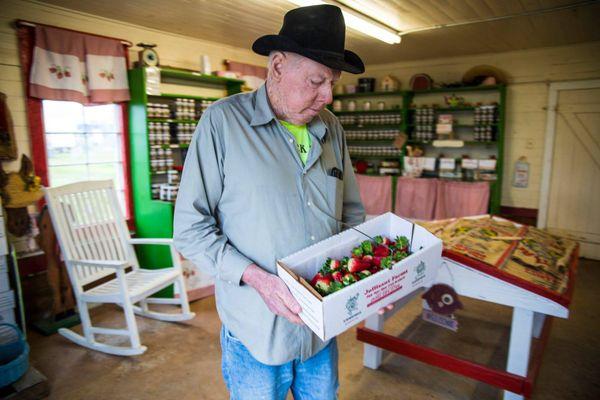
column 134, row 335
column 185, row 305
column 144, row 306
column 86, row 322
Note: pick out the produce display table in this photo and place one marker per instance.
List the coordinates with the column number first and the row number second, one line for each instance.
column 534, row 299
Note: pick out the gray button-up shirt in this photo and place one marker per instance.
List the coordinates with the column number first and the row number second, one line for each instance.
column 245, row 197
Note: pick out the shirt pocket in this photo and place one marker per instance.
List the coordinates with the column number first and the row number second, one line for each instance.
column 335, row 194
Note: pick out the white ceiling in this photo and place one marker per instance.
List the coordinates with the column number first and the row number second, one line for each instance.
column 240, row 22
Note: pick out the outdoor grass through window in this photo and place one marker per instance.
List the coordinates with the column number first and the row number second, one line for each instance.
column 84, row 143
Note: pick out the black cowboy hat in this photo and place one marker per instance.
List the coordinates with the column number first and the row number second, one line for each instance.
column 315, row 32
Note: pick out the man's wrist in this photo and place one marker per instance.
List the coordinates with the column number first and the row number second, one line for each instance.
column 253, row 275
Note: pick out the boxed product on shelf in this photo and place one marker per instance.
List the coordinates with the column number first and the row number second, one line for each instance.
column 445, row 119
column 329, row 316
column 447, row 167
column 487, row 170
column 468, row 163
column 414, row 166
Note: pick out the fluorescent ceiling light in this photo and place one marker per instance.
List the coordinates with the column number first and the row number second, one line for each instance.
column 358, row 23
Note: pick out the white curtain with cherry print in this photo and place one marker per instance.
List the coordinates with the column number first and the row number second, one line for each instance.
column 73, row 66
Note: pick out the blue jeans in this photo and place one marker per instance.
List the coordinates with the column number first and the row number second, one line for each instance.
column 249, row 379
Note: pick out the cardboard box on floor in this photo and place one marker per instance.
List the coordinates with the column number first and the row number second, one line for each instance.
column 331, row 315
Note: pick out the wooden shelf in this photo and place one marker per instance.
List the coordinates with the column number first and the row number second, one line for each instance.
column 445, row 109
column 369, row 94
column 369, row 141
column 412, row 125
column 382, row 127
column 461, row 89
column 155, row 218
column 370, row 112
column 363, row 157
column 197, row 76
column 173, row 121
column 183, row 96
column 430, row 143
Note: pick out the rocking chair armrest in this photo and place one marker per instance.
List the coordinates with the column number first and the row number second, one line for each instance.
column 102, row 263
column 159, row 241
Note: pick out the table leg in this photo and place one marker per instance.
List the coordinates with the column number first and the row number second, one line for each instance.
column 372, row 355
column 538, row 324
column 520, row 345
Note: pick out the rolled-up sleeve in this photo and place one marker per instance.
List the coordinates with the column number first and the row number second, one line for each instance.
column 196, row 231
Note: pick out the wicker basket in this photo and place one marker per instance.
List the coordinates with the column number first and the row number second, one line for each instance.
column 14, row 354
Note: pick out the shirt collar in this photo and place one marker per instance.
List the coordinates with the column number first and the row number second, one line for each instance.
column 317, row 127
column 263, row 114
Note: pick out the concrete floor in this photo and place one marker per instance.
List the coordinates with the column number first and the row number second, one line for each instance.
column 183, row 360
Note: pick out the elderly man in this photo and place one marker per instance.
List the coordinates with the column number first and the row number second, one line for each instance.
column 267, row 174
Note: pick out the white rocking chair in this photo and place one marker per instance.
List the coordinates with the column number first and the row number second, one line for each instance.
column 96, row 244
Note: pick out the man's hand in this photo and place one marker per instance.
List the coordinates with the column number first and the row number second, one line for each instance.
column 274, row 293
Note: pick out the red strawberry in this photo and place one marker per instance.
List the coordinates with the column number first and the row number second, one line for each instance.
column 52, row 70
column 335, row 265
column 315, row 278
column 367, row 260
column 356, row 265
column 376, row 261
column 323, row 285
column 337, row 276
column 67, row 74
column 349, row 279
column 374, row 269
column 59, row 75
column 381, row 251
column 102, row 75
column 364, row 274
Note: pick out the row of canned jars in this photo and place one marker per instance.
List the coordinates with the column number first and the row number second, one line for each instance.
column 376, row 119
column 384, row 151
column 372, row 134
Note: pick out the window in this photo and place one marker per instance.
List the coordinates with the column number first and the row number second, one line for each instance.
column 84, row 143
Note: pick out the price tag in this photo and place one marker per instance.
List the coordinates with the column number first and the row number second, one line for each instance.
column 468, row 163
column 444, row 321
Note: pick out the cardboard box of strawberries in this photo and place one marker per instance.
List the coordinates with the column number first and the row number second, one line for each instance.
column 342, row 280
column 365, row 260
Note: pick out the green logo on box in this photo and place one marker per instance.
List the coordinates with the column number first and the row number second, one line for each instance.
column 352, row 304
column 420, row 270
